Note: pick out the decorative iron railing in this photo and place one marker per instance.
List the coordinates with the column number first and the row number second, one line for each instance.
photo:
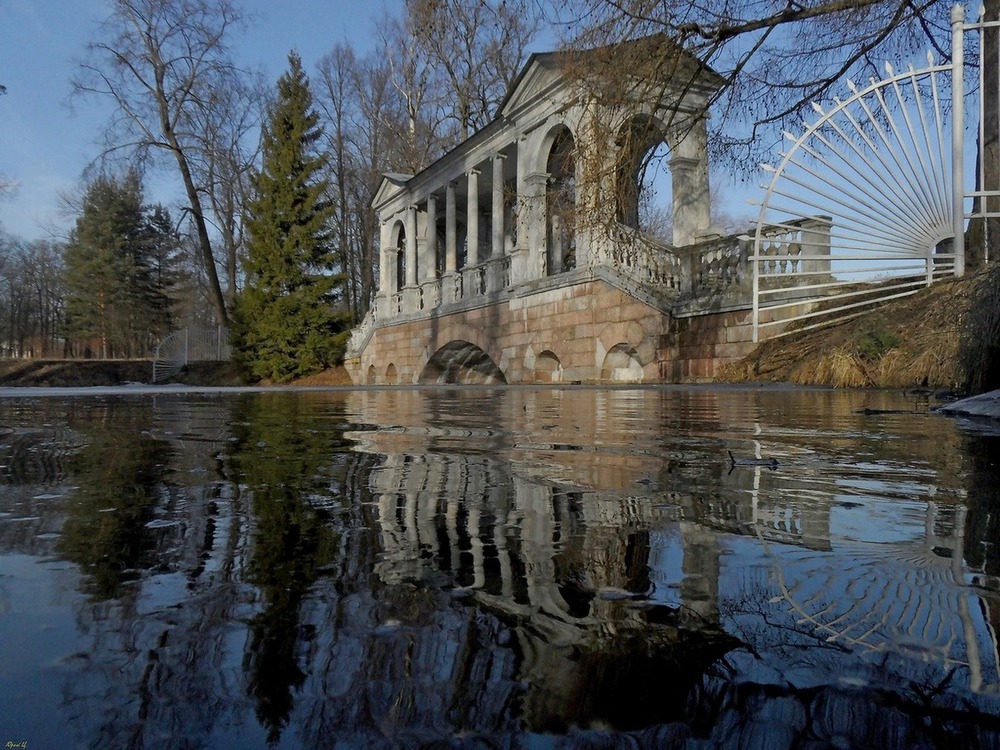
column 886, row 168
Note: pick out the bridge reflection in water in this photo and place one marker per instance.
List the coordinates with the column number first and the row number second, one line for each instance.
column 637, row 580
column 500, row 567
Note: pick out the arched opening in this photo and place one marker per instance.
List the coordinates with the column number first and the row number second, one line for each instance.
column 440, row 234
column 561, row 203
column 371, row 375
column 548, row 368
column 622, row 364
column 643, row 189
column 390, row 374
column 400, row 258
column 461, row 362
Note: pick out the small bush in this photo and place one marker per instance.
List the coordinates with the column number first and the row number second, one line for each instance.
column 873, row 339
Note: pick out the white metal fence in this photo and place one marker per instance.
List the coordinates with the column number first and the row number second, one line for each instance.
column 885, row 169
column 191, row 344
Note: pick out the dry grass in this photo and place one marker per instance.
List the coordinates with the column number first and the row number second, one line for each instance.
column 979, row 346
column 331, row 376
column 924, row 330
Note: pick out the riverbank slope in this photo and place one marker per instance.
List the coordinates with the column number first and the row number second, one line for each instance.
column 905, row 343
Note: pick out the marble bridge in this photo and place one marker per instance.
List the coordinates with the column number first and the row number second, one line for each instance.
column 519, row 256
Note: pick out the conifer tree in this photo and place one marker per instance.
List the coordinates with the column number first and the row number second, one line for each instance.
column 285, row 322
column 117, row 300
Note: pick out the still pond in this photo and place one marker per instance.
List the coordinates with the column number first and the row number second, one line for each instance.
column 497, row 568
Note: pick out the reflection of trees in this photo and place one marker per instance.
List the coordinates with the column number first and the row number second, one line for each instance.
column 284, row 465
column 983, row 521
column 116, row 473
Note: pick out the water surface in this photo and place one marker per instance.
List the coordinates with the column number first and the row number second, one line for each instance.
column 517, row 567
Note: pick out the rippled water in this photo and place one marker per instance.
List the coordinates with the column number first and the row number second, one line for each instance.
column 536, row 568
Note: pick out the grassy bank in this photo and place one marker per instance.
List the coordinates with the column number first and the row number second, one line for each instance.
column 81, row 373
column 905, row 343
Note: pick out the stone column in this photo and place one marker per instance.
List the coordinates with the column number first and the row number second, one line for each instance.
column 411, row 246
column 428, row 260
column 472, row 219
column 497, row 249
column 450, row 243
column 689, row 168
column 386, row 253
column 537, row 221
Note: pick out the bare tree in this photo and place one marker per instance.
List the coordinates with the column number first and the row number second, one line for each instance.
column 31, row 297
column 774, row 58
column 229, row 146
column 476, row 49
column 411, row 75
column 452, row 63
column 7, row 186
column 366, row 131
column 165, row 65
column 335, row 91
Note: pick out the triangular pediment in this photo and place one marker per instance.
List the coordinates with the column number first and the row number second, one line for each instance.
column 540, row 76
column 392, row 183
column 655, row 55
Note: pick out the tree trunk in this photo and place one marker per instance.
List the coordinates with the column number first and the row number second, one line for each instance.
column 204, row 243
column 982, row 241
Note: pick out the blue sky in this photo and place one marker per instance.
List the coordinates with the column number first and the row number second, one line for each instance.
column 45, row 143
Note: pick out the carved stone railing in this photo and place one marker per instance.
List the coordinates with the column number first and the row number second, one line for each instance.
column 362, row 333
column 709, row 273
column 643, row 259
column 718, row 265
column 797, row 247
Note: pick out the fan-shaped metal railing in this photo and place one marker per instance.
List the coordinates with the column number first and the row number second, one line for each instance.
column 892, row 597
column 880, row 178
column 191, row 344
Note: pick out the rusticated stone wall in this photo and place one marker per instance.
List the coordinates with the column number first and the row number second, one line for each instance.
column 587, row 331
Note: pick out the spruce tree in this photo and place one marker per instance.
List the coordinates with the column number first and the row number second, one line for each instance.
column 285, row 323
column 117, row 304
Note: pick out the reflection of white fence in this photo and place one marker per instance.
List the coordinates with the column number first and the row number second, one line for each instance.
column 191, row 344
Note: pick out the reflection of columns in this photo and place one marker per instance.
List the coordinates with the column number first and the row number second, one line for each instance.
column 472, row 219
column 451, row 524
column 497, row 249
column 450, row 250
column 476, row 544
column 411, row 245
column 700, row 566
column 429, row 264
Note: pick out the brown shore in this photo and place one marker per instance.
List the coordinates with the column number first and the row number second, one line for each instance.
column 82, row 373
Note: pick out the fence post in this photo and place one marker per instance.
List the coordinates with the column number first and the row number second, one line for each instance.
column 958, row 135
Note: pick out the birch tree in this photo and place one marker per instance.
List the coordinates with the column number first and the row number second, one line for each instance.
column 165, row 66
